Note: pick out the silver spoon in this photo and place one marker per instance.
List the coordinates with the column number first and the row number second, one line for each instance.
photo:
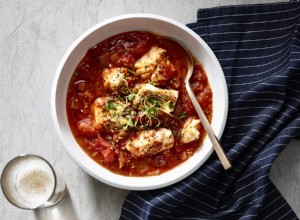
column 216, row 144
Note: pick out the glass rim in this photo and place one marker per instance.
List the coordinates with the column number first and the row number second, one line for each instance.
column 17, row 158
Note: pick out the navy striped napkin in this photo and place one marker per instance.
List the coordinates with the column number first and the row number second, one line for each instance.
column 258, row 47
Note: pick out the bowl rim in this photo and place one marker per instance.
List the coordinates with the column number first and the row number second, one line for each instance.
column 122, row 184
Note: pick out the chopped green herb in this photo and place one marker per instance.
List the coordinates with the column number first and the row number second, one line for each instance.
column 109, row 105
column 130, row 122
column 130, row 96
column 156, row 101
column 118, row 97
column 152, row 110
column 131, row 71
column 182, row 115
column 171, row 105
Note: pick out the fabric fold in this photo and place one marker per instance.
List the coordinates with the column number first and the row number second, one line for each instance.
column 258, row 47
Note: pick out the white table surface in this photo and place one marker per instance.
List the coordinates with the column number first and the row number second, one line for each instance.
column 34, row 36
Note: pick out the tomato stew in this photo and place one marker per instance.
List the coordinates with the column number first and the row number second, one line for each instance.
column 111, row 123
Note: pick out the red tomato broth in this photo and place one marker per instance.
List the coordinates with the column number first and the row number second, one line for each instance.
column 86, row 85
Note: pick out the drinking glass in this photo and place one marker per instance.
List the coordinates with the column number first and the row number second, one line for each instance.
column 30, row 182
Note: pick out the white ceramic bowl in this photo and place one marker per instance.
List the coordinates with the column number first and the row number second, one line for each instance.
column 135, row 22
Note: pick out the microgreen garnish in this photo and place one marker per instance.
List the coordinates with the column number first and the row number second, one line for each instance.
column 109, row 105
column 182, row 115
column 171, row 105
column 151, row 104
column 119, row 98
column 130, row 123
column 131, row 71
column 149, row 111
column 130, row 96
column 152, row 110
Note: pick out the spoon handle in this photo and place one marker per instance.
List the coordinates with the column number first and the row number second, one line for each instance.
column 216, row 144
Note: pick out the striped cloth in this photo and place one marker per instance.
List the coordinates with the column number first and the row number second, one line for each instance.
column 258, row 47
